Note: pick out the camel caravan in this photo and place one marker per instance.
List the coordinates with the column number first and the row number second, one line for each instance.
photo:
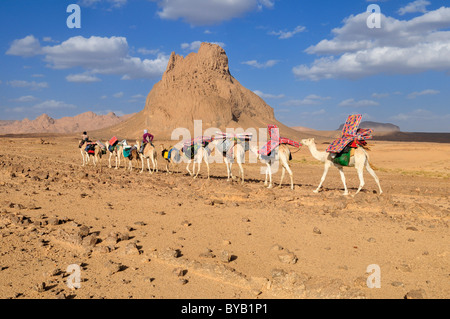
column 350, row 150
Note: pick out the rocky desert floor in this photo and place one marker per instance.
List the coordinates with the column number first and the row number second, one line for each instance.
column 172, row 237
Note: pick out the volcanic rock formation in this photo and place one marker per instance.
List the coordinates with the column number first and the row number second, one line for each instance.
column 198, row 87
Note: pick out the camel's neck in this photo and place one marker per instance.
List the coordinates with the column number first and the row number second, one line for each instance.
column 320, row 156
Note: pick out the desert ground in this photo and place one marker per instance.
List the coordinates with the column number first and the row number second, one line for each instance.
column 161, row 236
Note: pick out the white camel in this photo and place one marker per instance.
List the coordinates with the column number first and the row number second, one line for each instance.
column 96, row 157
column 201, row 155
column 148, row 153
column 359, row 161
column 282, row 154
column 237, row 152
column 117, row 153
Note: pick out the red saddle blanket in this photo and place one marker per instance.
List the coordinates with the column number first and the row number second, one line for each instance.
column 275, row 140
column 350, row 134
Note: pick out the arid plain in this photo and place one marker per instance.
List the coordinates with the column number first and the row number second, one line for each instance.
column 170, row 236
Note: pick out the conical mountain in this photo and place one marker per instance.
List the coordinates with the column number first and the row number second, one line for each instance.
column 198, row 87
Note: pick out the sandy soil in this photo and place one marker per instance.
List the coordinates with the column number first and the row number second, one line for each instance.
column 169, row 236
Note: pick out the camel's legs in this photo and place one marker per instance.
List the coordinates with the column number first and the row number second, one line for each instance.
column 371, row 172
column 265, row 181
column 148, row 165
column 198, row 161
column 359, row 165
column 109, row 160
column 142, row 164
column 269, row 169
column 341, row 172
column 290, row 176
column 361, row 179
column 242, row 172
column 325, row 172
column 282, row 176
column 229, row 174
column 187, row 168
column 206, row 159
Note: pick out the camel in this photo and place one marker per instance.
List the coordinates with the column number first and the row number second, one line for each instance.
column 96, row 157
column 282, row 154
column 201, row 155
column 359, row 161
column 117, row 153
column 238, row 152
column 134, row 156
column 174, row 159
column 148, row 153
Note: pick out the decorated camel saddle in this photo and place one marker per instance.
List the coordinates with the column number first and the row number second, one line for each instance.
column 274, row 141
column 190, row 147
column 343, row 148
column 227, row 141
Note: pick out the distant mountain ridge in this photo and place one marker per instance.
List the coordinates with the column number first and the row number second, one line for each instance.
column 87, row 121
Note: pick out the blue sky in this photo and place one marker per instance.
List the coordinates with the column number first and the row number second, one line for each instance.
column 314, row 62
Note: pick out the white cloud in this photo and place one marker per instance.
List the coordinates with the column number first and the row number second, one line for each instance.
column 82, row 78
column 207, row 12
column 314, row 113
column 360, row 103
column 256, row 64
column 25, row 84
column 98, row 55
column 419, row 114
column 145, row 51
column 311, row 99
column 52, row 104
column 195, row 45
column 288, row 34
column 118, row 95
column 380, row 95
column 399, row 47
column 25, row 99
column 26, row 47
column 138, row 96
column 45, row 107
column 416, row 6
column 93, row 3
column 49, row 39
column 413, row 95
column 268, row 96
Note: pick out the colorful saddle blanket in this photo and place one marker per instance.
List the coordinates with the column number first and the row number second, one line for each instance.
column 102, row 147
column 350, row 133
column 275, row 140
column 191, row 147
column 127, row 150
column 227, row 142
column 90, row 148
column 344, row 158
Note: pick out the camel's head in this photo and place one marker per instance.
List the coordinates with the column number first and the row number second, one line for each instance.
column 308, row 141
